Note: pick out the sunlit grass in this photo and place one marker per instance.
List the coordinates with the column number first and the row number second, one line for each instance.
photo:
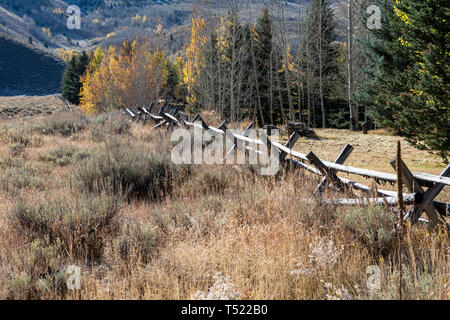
column 220, row 232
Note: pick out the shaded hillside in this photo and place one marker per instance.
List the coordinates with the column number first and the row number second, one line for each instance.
column 25, row 70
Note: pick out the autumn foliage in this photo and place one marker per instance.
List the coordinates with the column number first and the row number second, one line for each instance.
column 133, row 74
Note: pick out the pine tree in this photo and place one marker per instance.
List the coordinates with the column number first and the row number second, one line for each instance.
column 71, row 84
column 320, row 32
column 409, row 70
column 208, row 73
column 170, row 89
column 265, row 57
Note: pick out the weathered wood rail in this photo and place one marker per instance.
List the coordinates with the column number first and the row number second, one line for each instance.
column 421, row 200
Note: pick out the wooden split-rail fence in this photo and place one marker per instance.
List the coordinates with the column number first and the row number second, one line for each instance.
column 422, row 188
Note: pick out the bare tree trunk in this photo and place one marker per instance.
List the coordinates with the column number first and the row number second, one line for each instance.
column 308, row 83
column 286, row 62
column 220, row 80
column 255, row 75
column 271, row 85
column 320, row 53
column 212, row 77
column 353, row 114
column 279, row 91
column 233, row 62
column 299, row 66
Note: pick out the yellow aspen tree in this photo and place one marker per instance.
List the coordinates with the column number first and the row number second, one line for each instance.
column 194, row 57
column 130, row 75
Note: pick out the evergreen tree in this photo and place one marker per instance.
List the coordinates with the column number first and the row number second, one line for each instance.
column 247, row 82
column 69, row 87
column 170, row 89
column 320, row 59
column 208, row 73
column 71, row 84
column 267, row 59
column 409, row 70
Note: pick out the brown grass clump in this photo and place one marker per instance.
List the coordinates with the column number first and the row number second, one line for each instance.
column 81, row 226
column 118, row 165
column 372, row 225
column 37, row 272
column 63, row 123
column 109, row 124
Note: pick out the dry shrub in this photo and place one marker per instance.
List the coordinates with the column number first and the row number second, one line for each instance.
column 15, row 134
column 109, row 124
column 119, row 165
column 372, row 225
column 215, row 180
column 63, row 123
column 212, row 118
column 19, row 137
column 138, row 242
column 224, row 232
column 210, row 182
column 174, row 217
column 15, row 178
column 82, row 225
column 38, row 272
column 64, row 155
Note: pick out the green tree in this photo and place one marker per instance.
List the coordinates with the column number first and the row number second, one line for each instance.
column 71, row 84
column 320, row 60
column 268, row 62
column 170, row 89
column 409, row 70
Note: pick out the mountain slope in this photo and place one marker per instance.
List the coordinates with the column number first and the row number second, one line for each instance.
column 25, row 70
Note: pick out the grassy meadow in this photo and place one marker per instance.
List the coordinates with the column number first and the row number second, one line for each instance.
column 101, row 193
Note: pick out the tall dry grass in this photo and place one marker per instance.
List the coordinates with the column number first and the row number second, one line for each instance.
column 218, row 232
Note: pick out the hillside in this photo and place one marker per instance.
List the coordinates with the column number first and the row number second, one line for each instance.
column 109, row 22
column 25, row 70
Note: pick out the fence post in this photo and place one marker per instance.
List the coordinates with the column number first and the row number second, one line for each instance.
column 245, row 133
column 327, row 172
column 339, row 160
column 289, row 144
column 414, row 186
column 428, row 197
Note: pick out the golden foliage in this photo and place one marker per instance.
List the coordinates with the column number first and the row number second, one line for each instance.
column 58, row 11
column 139, row 20
column 65, row 54
column 194, row 56
column 47, row 32
column 401, row 14
column 131, row 75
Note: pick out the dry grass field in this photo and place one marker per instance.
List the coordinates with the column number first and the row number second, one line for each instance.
column 102, row 194
column 20, row 107
column 371, row 151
